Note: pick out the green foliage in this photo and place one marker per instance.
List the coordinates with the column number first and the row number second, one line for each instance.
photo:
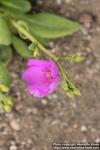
column 43, row 27
column 6, row 102
column 73, row 57
column 42, row 40
column 5, row 34
column 5, row 54
column 4, row 75
column 25, row 26
column 50, row 26
column 76, row 57
column 4, row 88
column 21, row 6
column 21, row 47
column 69, row 87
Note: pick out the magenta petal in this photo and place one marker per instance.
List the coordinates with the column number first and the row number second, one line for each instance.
column 54, row 69
column 42, row 77
column 38, row 92
column 54, row 84
column 32, row 75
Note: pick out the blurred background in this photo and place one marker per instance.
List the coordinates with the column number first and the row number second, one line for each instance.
column 34, row 124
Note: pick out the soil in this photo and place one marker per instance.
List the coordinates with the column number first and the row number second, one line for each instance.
column 34, row 124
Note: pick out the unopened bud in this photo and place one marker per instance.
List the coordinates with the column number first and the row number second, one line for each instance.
column 36, row 53
column 3, row 88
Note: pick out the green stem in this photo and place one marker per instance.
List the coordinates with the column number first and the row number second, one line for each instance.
column 32, row 39
column 40, row 46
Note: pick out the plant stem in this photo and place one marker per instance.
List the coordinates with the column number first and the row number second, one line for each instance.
column 32, row 39
column 40, row 46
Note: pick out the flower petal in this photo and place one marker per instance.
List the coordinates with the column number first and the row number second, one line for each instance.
column 42, row 77
column 54, row 69
column 32, row 75
column 38, row 92
column 54, row 84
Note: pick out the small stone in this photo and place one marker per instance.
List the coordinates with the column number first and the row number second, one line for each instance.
column 84, row 30
column 83, row 128
column 97, row 140
column 75, row 126
column 50, row 97
column 89, row 37
column 13, row 147
column 59, row 2
column 44, row 102
column 84, row 140
column 55, row 122
column 35, row 110
column 98, row 29
column 12, row 142
column 14, row 75
column 54, row 96
column 51, row 44
column 15, row 125
column 86, row 19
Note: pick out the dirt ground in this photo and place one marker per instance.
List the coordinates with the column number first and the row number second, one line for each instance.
column 35, row 124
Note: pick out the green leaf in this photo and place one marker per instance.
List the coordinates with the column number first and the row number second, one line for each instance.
column 17, row 5
column 25, row 26
column 4, row 75
column 4, row 88
column 6, row 102
column 42, row 40
column 76, row 57
column 5, row 54
column 69, row 87
column 5, row 34
column 50, row 26
column 21, row 47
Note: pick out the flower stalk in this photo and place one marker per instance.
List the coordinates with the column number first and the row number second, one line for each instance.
column 67, row 85
column 34, row 41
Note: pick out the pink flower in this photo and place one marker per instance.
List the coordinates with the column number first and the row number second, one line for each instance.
column 42, row 77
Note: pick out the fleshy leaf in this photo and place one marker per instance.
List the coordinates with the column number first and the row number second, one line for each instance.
column 17, row 5
column 51, row 26
column 21, row 47
column 5, row 54
column 42, row 40
column 5, row 34
column 25, row 26
column 5, row 78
